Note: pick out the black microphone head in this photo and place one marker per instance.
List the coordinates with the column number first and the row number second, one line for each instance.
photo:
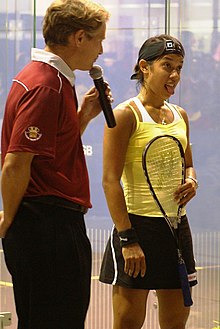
column 96, row 72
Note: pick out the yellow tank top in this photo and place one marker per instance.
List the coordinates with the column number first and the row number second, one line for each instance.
column 138, row 198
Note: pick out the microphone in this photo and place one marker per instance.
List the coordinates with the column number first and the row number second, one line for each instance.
column 96, row 73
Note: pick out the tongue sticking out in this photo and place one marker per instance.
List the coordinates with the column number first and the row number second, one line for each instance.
column 170, row 89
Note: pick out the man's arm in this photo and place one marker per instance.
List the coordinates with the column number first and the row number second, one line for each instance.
column 14, row 181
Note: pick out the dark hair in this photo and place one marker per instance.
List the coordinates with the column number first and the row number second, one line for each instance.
column 155, row 48
column 64, row 17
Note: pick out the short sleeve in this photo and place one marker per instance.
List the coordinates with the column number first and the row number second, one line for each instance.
column 35, row 124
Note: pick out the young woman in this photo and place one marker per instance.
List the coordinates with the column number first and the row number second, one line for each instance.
column 147, row 258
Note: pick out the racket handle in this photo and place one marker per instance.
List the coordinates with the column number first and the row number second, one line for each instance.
column 185, row 284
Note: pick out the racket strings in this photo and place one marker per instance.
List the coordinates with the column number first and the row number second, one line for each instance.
column 164, row 167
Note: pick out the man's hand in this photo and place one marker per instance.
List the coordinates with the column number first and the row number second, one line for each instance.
column 134, row 260
column 91, row 107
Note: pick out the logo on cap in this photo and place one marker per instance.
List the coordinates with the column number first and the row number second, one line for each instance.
column 169, row 45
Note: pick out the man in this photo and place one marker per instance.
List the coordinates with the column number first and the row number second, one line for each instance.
column 45, row 188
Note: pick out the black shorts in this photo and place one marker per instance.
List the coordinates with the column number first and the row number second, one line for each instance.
column 159, row 247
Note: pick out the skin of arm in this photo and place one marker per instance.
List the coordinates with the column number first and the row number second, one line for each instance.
column 114, row 151
column 89, row 109
column 188, row 190
column 14, row 181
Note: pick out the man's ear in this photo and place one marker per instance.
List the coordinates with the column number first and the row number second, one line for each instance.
column 78, row 37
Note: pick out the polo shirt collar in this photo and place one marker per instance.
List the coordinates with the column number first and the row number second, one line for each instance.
column 41, row 55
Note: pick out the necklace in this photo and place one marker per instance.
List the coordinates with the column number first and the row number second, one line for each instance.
column 151, row 110
column 163, row 121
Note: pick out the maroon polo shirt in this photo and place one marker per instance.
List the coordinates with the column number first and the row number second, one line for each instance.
column 41, row 118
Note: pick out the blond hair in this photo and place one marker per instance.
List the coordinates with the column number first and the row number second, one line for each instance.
column 64, row 17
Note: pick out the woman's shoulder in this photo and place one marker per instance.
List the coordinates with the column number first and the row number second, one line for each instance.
column 124, row 104
column 125, row 114
column 125, row 108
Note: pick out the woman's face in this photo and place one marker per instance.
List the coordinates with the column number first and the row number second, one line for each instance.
column 163, row 75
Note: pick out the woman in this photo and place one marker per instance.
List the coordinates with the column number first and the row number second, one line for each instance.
column 141, row 253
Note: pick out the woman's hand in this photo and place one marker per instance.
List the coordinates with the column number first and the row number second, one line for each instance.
column 185, row 192
column 134, row 260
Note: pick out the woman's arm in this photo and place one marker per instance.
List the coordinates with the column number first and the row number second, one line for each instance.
column 114, row 152
column 188, row 190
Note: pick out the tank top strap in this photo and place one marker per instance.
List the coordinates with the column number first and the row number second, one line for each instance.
column 145, row 116
column 135, row 113
column 176, row 113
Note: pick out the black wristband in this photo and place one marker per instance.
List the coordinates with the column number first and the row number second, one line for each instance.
column 127, row 237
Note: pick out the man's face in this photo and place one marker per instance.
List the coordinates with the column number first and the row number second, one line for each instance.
column 91, row 48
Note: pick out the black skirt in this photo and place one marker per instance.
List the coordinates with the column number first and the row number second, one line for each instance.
column 158, row 244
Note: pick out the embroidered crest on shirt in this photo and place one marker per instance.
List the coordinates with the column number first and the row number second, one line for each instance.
column 33, row 133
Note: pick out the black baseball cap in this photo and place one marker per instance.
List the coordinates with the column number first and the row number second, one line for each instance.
column 155, row 47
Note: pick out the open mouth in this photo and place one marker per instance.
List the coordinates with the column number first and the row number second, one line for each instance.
column 170, row 88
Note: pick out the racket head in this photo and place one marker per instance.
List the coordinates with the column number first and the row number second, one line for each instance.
column 163, row 164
